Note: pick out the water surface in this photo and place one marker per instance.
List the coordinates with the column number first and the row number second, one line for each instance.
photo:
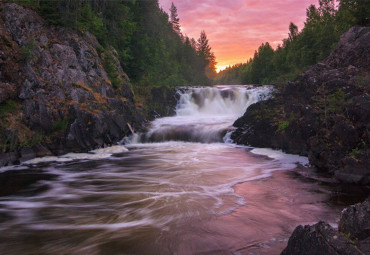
column 179, row 189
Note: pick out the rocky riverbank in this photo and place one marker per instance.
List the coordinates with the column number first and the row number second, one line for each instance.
column 60, row 90
column 323, row 114
column 352, row 236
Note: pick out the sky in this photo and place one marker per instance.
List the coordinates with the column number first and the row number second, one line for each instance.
column 236, row 28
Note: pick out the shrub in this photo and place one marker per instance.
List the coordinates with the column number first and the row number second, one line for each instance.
column 283, row 126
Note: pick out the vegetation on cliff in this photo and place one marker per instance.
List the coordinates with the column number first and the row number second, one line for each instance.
column 323, row 27
column 150, row 46
column 65, row 68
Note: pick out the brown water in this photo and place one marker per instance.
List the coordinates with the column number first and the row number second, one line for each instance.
column 170, row 197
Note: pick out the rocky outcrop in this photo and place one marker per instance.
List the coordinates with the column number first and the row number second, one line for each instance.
column 352, row 237
column 55, row 92
column 323, row 114
column 355, row 223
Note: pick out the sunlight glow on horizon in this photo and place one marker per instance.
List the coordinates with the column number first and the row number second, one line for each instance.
column 221, row 68
column 236, row 28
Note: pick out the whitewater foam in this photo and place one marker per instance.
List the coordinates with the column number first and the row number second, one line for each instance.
column 102, row 153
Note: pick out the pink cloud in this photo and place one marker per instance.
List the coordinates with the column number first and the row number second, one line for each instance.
column 236, row 28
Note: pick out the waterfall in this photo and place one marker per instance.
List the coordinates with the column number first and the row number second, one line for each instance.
column 204, row 114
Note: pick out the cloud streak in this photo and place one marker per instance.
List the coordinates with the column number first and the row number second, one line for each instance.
column 236, row 28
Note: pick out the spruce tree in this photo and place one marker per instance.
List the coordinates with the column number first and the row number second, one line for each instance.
column 174, row 19
column 204, row 51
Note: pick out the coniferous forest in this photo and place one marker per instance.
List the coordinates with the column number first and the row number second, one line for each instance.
column 150, row 46
column 323, row 27
column 154, row 53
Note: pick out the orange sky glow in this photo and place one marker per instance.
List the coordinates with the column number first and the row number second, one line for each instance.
column 235, row 28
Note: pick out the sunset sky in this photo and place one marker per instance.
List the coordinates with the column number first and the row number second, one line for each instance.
column 235, row 28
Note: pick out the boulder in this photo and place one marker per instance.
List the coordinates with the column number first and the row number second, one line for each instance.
column 352, row 236
column 319, row 239
column 355, row 223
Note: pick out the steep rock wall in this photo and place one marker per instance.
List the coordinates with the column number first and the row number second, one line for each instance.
column 55, row 95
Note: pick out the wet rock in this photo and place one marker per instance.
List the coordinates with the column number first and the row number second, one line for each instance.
column 9, row 158
column 352, row 236
column 355, row 223
column 26, row 154
column 320, row 238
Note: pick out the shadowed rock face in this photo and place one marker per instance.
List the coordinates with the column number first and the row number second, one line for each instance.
column 60, row 95
column 323, row 114
column 355, row 223
column 353, row 236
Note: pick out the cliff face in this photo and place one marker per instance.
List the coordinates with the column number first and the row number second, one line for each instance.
column 55, row 94
column 324, row 113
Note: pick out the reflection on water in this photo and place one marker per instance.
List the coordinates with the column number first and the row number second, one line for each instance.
column 167, row 198
column 172, row 197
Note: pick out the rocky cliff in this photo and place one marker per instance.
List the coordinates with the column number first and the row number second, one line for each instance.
column 324, row 113
column 60, row 91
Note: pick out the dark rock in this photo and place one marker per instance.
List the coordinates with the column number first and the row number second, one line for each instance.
column 63, row 94
column 9, row 158
column 27, row 154
column 7, row 91
column 355, row 223
column 324, row 113
column 352, row 50
column 354, row 169
column 353, row 236
column 41, row 151
column 163, row 102
column 319, row 239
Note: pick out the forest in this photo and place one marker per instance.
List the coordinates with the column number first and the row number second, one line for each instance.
column 154, row 53
column 151, row 48
column 323, row 27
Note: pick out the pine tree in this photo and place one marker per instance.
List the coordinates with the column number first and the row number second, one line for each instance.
column 293, row 31
column 174, row 19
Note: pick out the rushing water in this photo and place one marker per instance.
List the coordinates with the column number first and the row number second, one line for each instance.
column 179, row 189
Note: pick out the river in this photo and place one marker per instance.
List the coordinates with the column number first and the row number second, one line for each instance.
column 180, row 188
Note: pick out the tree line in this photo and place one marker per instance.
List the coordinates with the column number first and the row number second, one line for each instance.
column 150, row 46
column 323, row 26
